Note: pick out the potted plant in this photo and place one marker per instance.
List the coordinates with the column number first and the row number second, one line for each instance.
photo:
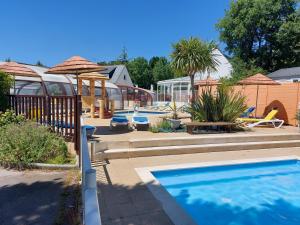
column 174, row 121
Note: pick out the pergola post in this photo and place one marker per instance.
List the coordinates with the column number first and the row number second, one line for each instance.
column 172, row 92
column 92, row 92
column 164, row 92
column 103, row 100
column 79, row 91
column 180, row 92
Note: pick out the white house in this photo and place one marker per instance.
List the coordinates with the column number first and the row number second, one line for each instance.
column 118, row 75
column 286, row 75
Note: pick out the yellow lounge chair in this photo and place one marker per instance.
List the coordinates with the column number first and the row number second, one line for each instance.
column 270, row 118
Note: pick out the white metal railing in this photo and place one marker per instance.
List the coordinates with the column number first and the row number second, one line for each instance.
column 91, row 211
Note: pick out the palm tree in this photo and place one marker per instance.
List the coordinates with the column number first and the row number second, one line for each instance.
column 193, row 55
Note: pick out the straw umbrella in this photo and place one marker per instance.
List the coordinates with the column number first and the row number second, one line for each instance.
column 75, row 65
column 92, row 77
column 16, row 69
column 257, row 79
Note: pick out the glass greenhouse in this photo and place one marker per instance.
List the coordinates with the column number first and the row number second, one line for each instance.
column 61, row 85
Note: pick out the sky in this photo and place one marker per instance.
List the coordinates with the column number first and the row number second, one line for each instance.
column 53, row 30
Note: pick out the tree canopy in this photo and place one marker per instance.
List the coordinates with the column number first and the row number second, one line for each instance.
column 162, row 70
column 140, row 72
column 264, row 33
column 5, row 84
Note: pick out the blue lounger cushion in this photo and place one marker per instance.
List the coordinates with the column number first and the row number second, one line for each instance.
column 119, row 119
column 247, row 112
column 140, row 120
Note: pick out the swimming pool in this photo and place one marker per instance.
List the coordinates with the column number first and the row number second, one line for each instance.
column 259, row 193
column 140, row 113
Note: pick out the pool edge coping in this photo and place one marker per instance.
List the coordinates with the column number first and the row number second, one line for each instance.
column 175, row 212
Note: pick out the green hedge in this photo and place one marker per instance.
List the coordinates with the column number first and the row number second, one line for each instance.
column 9, row 116
column 28, row 142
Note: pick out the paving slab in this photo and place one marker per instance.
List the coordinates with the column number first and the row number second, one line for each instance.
column 30, row 197
column 124, row 199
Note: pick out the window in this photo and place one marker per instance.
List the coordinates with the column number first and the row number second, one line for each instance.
column 124, row 77
column 28, row 88
column 57, row 89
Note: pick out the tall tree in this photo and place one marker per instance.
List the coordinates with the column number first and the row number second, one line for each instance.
column 241, row 70
column 39, row 63
column 162, row 70
column 5, row 84
column 140, row 72
column 265, row 32
column 123, row 58
column 193, row 55
column 153, row 61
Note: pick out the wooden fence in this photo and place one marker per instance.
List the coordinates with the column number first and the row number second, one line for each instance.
column 61, row 113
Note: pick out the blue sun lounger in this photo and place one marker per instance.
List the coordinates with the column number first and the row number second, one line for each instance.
column 118, row 120
column 90, row 130
column 140, row 122
column 247, row 112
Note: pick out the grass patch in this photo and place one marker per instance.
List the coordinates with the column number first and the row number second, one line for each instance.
column 70, row 159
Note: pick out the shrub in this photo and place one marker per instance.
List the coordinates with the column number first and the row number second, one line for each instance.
column 224, row 106
column 5, row 84
column 160, row 127
column 22, row 144
column 9, row 117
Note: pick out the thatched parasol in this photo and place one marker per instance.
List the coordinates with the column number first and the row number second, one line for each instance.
column 75, row 65
column 258, row 79
column 16, row 69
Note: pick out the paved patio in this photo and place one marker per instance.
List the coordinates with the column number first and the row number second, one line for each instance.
column 125, row 200
column 105, row 134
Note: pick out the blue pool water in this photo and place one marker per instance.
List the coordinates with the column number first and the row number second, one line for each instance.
column 140, row 113
column 247, row 194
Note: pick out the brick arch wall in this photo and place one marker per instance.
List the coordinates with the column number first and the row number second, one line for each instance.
column 284, row 97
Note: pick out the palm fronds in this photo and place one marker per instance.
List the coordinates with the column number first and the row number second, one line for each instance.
column 224, row 105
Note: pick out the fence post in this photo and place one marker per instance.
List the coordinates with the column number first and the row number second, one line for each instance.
column 77, row 123
column 48, row 108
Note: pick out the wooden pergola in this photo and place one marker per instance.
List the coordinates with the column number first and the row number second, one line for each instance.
column 92, row 77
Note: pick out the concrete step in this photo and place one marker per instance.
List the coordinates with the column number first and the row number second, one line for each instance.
column 189, row 149
column 195, row 140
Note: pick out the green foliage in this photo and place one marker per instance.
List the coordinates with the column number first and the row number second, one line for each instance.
column 162, row 126
column 22, row 144
column 9, row 117
column 241, row 70
column 140, row 72
column 263, row 32
column 162, row 70
column 225, row 105
column 193, row 55
column 154, row 60
column 5, row 84
column 175, row 110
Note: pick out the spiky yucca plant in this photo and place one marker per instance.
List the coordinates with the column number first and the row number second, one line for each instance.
column 224, row 106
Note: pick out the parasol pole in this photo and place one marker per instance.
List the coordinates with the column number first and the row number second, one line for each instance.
column 256, row 99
